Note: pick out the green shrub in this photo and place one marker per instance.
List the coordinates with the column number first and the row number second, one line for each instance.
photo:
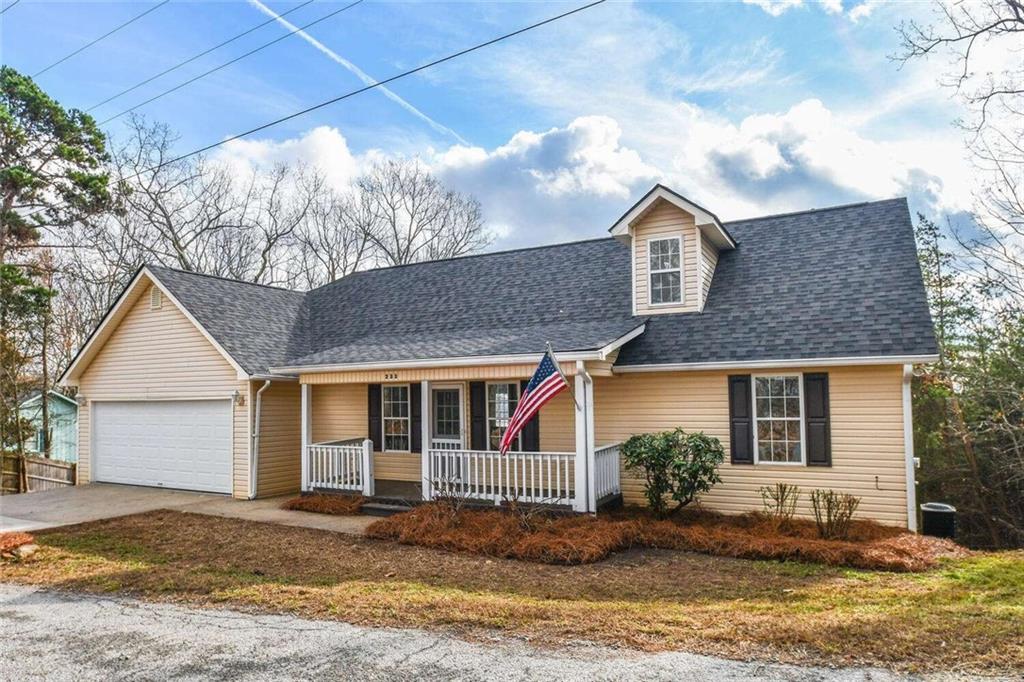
column 833, row 513
column 676, row 465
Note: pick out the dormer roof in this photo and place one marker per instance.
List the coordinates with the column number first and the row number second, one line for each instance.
column 709, row 224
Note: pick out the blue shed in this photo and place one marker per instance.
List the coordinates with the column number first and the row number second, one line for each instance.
column 63, row 425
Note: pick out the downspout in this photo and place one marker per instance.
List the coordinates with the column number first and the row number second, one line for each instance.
column 910, row 461
column 254, row 464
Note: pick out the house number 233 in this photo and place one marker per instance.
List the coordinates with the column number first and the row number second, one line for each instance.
column 390, row 376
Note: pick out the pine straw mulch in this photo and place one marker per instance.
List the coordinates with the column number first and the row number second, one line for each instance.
column 574, row 539
column 341, row 505
column 11, row 541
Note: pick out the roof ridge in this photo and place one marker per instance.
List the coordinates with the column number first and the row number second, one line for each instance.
column 467, row 256
column 223, row 279
column 838, row 207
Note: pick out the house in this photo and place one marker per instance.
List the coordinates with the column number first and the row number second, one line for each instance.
column 789, row 337
column 63, row 423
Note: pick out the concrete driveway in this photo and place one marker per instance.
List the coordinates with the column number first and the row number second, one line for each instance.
column 95, row 501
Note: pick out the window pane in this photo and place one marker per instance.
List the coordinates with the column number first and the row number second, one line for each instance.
column 763, row 407
column 778, row 407
column 764, row 430
column 761, row 386
column 793, row 430
column 792, row 386
column 792, row 407
column 764, row 451
column 665, row 287
column 776, row 386
column 793, row 452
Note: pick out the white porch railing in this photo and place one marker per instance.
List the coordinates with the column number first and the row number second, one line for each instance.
column 529, row 477
column 446, row 444
column 606, row 471
column 341, row 465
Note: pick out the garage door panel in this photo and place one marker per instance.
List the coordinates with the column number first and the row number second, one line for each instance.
column 173, row 444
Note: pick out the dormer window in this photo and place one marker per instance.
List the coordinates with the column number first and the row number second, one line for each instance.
column 665, row 266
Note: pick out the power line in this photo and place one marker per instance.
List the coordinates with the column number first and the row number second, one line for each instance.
column 105, row 35
column 358, row 91
column 179, row 86
column 195, row 57
column 378, row 84
column 9, row 6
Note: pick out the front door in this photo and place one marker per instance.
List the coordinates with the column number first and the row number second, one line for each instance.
column 446, row 418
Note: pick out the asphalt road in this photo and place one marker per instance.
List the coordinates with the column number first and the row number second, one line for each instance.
column 60, row 636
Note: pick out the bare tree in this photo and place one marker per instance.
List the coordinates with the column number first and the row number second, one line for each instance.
column 978, row 37
column 415, row 218
column 334, row 240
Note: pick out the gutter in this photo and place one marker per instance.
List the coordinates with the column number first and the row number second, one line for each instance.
column 254, row 459
column 908, row 447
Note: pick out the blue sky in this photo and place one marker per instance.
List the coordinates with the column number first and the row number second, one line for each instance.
column 747, row 107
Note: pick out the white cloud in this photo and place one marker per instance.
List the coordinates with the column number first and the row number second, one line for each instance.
column 775, row 7
column 323, row 147
column 863, row 10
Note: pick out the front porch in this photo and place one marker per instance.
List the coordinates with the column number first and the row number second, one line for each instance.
column 437, row 439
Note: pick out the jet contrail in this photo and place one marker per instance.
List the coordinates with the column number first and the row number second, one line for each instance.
column 362, row 75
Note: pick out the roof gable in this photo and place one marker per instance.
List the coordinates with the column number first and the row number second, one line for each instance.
column 706, row 221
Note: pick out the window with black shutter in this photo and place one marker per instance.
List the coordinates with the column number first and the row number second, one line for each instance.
column 741, row 434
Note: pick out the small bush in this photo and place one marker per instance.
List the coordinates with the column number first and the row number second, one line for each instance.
column 780, row 501
column 11, row 541
column 675, row 464
column 833, row 513
column 341, row 505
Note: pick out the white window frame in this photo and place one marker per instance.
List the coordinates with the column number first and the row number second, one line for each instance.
column 487, row 399
column 384, row 418
column 462, row 410
column 651, row 272
column 803, row 415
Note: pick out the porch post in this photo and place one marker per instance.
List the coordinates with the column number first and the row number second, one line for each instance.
column 425, row 419
column 307, row 432
column 581, row 486
column 588, row 392
column 367, row 468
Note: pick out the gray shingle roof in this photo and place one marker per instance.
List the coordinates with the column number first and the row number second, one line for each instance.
column 839, row 282
column 258, row 326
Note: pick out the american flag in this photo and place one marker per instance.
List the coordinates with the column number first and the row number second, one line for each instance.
column 547, row 382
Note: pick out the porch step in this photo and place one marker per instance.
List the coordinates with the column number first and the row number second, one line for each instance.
column 384, row 508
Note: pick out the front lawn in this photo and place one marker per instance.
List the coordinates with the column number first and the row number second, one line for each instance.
column 966, row 615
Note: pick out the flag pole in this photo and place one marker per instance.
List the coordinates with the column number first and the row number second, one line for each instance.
column 569, row 384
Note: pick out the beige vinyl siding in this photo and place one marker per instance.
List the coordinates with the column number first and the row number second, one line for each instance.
column 558, row 424
column 665, row 220
column 435, row 374
column 866, row 421
column 159, row 354
column 280, row 442
column 339, row 411
column 709, row 261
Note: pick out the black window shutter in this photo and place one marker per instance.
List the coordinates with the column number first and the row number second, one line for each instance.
column 376, row 425
column 531, row 432
column 816, row 421
column 415, row 418
column 741, row 420
column 477, row 415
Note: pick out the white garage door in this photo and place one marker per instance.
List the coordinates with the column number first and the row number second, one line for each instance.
column 182, row 444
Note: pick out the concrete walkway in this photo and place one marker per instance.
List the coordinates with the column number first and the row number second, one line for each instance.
column 95, row 501
column 62, row 636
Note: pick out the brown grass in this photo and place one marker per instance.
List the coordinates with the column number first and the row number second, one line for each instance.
column 341, row 505
column 581, row 539
column 13, row 540
column 966, row 615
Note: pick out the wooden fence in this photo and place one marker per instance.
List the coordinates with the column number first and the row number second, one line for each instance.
column 27, row 473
